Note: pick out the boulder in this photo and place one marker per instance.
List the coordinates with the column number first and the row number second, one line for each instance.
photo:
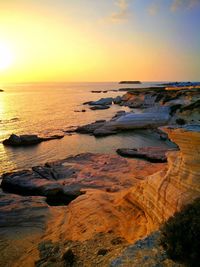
column 28, row 139
column 1, row 90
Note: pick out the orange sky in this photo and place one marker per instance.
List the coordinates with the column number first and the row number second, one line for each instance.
column 44, row 41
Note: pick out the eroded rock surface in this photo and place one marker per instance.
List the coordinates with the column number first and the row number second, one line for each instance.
column 164, row 193
column 22, row 223
column 105, row 179
column 124, row 198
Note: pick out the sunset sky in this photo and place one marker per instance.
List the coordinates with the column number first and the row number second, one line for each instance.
column 99, row 40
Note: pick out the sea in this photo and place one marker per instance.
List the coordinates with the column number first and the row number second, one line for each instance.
column 50, row 108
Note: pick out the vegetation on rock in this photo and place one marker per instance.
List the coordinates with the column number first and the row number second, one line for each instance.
column 180, row 235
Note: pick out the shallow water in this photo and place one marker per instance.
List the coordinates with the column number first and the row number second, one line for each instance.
column 49, row 108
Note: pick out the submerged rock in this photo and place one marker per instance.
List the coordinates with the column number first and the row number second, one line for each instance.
column 27, row 140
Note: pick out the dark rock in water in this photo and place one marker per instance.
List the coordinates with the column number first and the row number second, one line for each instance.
column 83, row 110
column 90, row 128
column 28, row 140
column 130, row 82
column 103, row 101
column 117, row 100
column 99, row 91
column 96, row 91
column 152, row 154
column 99, row 107
column 13, row 140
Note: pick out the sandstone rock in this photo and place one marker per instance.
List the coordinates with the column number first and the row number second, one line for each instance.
column 165, row 192
column 23, row 221
column 152, row 154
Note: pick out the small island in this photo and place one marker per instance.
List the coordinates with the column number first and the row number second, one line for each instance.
column 129, row 82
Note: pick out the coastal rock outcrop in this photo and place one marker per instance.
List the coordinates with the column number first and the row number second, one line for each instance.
column 99, row 107
column 125, row 199
column 165, row 192
column 152, row 118
column 152, row 154
column 102, row 102
column 28, row 140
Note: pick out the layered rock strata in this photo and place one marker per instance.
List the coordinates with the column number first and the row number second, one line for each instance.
column 165, row 192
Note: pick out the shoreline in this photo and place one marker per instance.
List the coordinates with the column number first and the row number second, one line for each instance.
column 104, row 202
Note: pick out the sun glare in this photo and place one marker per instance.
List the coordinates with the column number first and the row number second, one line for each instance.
column 6, row 57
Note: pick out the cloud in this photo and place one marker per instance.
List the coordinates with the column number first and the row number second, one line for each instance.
column 120, row 15
column 184, row 4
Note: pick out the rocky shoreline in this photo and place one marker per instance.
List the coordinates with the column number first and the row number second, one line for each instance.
column 100, row 209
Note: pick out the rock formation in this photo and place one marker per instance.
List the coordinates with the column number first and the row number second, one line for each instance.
column 152, row 154
column 165, row 192
column 28, row 139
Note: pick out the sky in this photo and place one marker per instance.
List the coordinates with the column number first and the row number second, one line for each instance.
column 99, row 40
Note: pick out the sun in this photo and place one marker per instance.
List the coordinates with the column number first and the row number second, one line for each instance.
column 6, row 57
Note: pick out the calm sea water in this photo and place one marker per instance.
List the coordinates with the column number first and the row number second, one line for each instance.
column 50, row 108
